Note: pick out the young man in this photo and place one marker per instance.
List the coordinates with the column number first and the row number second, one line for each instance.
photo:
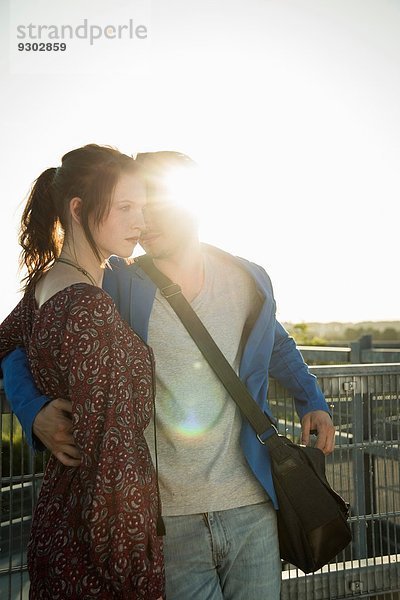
column 214, row 475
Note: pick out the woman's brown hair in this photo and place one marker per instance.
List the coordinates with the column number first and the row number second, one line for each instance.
column 89, row 173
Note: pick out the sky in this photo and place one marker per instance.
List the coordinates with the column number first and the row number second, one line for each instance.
column 291, row 108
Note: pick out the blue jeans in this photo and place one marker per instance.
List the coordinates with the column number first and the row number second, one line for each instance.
column 230, row 554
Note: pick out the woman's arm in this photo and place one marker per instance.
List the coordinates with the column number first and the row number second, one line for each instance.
column 46, row 423
column 11, row 330
column 22, row 394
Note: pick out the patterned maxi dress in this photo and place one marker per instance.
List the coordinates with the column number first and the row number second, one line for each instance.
column 93, row 533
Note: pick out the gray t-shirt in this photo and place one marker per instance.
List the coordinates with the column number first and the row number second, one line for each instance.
column 201, row 465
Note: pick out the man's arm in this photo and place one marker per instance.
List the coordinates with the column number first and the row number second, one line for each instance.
column 46, row 424
column 288, row 367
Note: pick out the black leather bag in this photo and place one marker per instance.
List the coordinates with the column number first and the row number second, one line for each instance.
column 312, row 517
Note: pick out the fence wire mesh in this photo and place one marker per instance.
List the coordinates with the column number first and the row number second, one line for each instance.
column 364, row 469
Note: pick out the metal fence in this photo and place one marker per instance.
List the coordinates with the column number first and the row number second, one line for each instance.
column 364, row 469
column 358, row 352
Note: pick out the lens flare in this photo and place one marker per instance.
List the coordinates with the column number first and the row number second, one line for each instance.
column 183, row 188
column 192, row 427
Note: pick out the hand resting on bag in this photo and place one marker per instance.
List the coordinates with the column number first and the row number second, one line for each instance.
column 321, row 422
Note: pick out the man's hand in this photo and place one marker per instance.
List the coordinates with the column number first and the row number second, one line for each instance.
column 53, row 427
column 319, row 421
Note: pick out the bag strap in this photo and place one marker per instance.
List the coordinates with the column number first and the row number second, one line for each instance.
column 172, row 292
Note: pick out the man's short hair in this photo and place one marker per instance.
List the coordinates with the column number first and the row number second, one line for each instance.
column 157, row 166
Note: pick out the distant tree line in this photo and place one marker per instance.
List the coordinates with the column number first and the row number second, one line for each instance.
column 315, row 334
column 304, row 336
column 388, row 334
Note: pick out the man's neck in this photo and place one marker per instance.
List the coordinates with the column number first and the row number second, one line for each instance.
column 186, row 268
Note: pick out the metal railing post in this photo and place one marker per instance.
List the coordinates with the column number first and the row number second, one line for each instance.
column 356, row 348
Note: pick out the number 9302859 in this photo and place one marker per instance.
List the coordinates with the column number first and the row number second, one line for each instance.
column 42, row 47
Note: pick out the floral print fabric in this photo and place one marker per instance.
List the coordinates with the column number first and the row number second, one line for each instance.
column 94, row 528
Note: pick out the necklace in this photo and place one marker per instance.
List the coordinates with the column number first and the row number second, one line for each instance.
column 81, row 269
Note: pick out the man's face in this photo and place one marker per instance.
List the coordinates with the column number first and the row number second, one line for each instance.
column 169, row 228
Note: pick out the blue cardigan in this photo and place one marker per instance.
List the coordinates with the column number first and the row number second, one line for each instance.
column 269, row 351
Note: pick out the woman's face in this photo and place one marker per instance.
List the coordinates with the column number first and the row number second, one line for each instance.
column 119, row 232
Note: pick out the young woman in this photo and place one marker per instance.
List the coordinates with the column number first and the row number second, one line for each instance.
column 93, row 533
